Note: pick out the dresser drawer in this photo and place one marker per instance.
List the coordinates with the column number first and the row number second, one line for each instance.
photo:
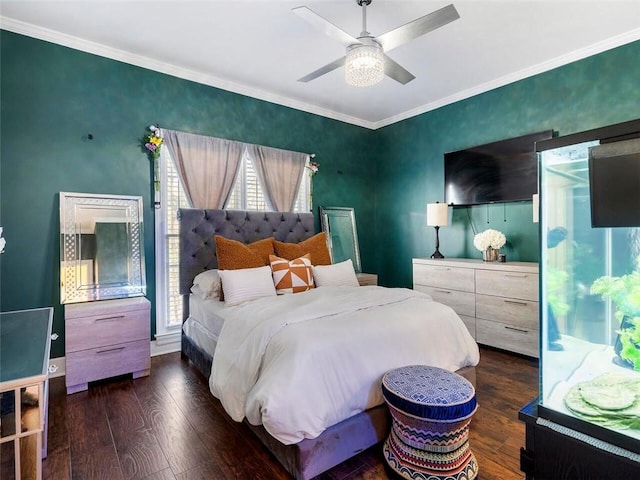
column 445, row 277
column 519, row 313
column 106, row 329
column 507, row 337
column 104, row 362
column 462, row 302
column 470, row 323
column 521, row 285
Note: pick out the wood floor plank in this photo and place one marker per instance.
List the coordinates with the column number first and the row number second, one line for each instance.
column 179, row 442
column 58, row 438
column 168, row 426
column 140, row 455
column 57, row 464
column 207, row 471
column 123, row 409
column 165, row 474
column 88, row 424
column 100, row 464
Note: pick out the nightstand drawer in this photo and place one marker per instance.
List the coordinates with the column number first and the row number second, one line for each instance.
column 367, row 279
column 106, row 329
column 104, row 362
column 520, row 313
column 106, row 338
column 445, row 277
column 520, row 285
column 462, row 302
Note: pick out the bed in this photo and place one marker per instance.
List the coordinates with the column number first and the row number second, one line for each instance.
column 307, row 457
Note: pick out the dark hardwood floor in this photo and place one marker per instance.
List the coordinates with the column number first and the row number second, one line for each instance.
column 168, row 426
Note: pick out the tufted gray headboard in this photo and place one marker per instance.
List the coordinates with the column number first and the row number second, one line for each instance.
column 198, row 227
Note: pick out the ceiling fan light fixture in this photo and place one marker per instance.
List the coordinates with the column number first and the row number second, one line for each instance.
column 364, row 65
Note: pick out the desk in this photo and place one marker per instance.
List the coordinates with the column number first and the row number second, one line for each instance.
column 24, row 360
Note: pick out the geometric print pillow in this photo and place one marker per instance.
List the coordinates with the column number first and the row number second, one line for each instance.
column 292, row 276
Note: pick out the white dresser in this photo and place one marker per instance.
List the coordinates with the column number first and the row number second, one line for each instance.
column 106, row 338
column 498, row 302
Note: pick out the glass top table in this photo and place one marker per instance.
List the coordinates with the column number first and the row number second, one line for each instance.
column 24, row 343
column 25, row 338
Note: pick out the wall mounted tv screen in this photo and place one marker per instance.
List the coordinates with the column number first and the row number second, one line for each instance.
column 503, row 171
column 614, row 184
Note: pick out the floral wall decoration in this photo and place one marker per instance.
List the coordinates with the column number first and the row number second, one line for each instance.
column 151, row 144
column 313, row 167
column 3, row 242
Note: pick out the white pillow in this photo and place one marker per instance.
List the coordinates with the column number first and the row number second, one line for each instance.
column 338, row 274
column 246, row 284
column 207, row 285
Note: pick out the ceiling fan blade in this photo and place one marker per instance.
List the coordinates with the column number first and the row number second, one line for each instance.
column 397, row 72
column 325, row 26
column 407, row 32
column 321, row 71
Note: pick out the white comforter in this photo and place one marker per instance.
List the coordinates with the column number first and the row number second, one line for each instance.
column 300, row 363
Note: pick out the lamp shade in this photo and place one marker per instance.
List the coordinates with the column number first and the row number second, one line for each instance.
column 437, row 214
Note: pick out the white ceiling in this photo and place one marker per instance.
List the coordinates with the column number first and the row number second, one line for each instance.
column 260, row 48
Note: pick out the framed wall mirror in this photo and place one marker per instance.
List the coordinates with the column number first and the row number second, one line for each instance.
column 339, row 223
column 101, row 253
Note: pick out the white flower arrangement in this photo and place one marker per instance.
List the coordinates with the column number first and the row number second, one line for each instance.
column 3, row 242
column 489, row 239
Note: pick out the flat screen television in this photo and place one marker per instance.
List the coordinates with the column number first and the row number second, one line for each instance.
column 614, row 184
column 503, row 171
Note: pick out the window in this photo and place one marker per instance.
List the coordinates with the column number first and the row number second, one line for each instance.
column 168, row 299
column 247, row 195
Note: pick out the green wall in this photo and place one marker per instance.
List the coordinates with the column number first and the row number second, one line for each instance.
column 52, row 97
column 601, row 90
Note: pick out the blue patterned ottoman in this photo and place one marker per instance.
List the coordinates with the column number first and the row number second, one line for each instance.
column 431, row 409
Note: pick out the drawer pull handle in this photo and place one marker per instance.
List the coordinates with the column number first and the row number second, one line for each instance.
column 109, row 319
column 515, row 275
column 521, row 330
column 443, row 268
column 515, row 302
column 443, row 291
column 110, row 350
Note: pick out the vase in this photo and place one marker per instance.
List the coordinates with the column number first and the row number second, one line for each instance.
column 490, row 255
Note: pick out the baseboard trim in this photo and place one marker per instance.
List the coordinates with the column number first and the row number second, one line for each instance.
column 57, row 367
column 168, row 344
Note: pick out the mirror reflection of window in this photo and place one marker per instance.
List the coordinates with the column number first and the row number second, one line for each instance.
column 112, row 253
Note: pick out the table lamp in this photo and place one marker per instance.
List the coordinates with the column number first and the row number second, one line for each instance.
column 437, row 216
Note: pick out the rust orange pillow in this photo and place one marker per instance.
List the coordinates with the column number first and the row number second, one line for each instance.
column 291, row 276
column 315, row 246
column 234, row 255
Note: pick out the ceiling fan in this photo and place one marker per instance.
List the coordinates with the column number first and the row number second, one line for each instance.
column 365, row 60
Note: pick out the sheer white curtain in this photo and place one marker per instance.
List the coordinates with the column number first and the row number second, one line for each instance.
column 208, row 166
column 280, row 174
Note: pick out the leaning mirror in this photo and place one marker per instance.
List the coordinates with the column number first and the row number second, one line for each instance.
column 339, row 223
column 101, row 256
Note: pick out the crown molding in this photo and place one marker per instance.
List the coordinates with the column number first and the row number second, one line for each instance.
column 559, row 61
column 76, row 43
